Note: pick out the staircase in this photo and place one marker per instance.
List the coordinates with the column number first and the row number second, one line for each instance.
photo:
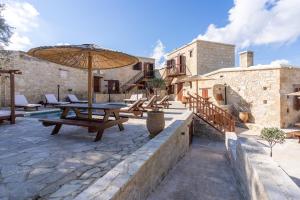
column 129, row 84
column 211, row 114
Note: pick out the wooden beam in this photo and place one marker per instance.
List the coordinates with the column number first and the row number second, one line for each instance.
column 90, row 84
column 12, row 99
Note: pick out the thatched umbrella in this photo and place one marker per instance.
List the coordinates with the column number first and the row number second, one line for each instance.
column 86, row 56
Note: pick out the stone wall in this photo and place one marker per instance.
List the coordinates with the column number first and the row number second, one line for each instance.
column 212, row 56
column 122, row 74
column 41, row 77
column 289, row 80
column 206, row 56
column 259, row 177
column 141, row 172
column 191, row 62
column 253, row 90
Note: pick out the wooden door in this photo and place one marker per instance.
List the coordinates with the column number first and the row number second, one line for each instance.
column 179, row 91
column 97, row 84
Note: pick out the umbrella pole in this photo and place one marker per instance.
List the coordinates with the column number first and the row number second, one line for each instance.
column 90, row 85
column 197, row 87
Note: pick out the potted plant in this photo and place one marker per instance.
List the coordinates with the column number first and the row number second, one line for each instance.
column 273, row 136
column 244, row 111
column 155, row 118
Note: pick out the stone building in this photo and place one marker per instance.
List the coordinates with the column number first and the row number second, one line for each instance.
column 40, row 77
column 261, row 90
column 196, row 58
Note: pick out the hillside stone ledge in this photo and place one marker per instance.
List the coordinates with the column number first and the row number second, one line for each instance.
column 138, row 175
column 258, row 176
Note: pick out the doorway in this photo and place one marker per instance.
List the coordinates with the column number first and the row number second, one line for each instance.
column 97, row 84
column 179, row 91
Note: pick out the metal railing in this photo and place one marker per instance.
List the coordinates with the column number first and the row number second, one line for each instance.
column 210, row 113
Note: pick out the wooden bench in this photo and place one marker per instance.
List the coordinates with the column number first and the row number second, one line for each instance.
column 97, row 125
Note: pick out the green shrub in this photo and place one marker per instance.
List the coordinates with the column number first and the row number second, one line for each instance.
column 272, row 136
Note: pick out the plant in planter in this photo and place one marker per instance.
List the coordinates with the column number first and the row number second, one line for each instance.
column 155, row 118
column 244, row 112
column 273, row 136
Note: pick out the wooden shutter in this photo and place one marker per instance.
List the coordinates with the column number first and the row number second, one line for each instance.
column 296, row 100
column 205, row 93
column 117, row 86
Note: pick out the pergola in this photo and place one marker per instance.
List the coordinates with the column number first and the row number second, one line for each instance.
column 11, row 116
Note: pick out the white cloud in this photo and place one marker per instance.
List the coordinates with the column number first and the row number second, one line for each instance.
column 279, row 62
column 257, row 22
column 62, row 44
column 23, row 17
column 159, row 54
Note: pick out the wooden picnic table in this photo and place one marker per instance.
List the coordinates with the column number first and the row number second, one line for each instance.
column 81, row 119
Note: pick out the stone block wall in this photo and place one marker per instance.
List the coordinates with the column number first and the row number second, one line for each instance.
column 206, row 56
column 259, row 177
column 289, row 80
column 40, row 77
column 212, row 56
column 139, row 174
column 191, row 62
column 123, row 74
column 253, row 90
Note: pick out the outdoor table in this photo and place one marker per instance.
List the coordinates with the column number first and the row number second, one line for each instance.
column 81, row 119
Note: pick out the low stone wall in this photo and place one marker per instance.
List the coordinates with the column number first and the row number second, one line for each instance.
column 141, row 172
column 258, row 175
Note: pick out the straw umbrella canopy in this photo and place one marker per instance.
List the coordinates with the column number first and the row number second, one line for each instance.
column 86, row 56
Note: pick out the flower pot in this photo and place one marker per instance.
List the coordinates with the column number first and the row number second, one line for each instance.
column 155, row 122
column 244, row 116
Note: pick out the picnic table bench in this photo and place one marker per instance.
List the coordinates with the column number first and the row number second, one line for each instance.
column 97, row 125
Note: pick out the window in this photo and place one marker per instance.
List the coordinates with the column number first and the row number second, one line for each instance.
column 191, row 53
column 296, row 99
column 204, row 92
column 137, row 66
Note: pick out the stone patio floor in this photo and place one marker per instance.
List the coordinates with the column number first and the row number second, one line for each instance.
column 203, row 174
column 286, row 154
column 36, row 165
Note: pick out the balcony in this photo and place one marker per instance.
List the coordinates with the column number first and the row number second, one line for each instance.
column 176, row 70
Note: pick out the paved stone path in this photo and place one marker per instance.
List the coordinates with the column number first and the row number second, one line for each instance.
column 204, row 173
column 36, row 165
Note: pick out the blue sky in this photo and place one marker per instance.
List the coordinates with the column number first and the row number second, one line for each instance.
column 139, row 26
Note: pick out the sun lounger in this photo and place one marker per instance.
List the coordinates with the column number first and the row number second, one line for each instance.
column 164, row 102
column 6, row 115
column 73, row 99
column 51, row 100
column 150, row 103
column 21, row 102
column 135, row 108
column 133, row 98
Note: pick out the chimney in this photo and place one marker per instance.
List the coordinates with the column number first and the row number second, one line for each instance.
column 246, row 59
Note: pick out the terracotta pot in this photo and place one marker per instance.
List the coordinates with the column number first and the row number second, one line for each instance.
column 155, row 122
column 244, row 116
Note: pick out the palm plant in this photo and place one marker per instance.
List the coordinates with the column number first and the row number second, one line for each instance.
column 156, row 84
